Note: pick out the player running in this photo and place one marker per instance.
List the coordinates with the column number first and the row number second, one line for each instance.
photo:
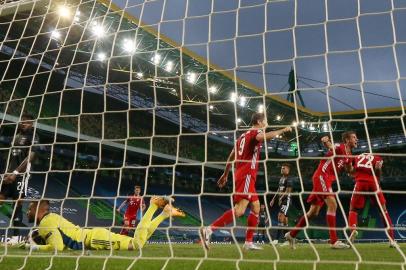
column 322, row 192
column 60, row 234
column 15, row 181
column 135, row 203
column 284, row 200
column 366, row 170
column 246, row 154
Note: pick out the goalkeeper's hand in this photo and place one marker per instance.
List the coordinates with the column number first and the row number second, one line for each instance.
column 27, row 246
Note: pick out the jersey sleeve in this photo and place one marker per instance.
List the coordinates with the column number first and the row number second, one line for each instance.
column 289, row 183
column 52, row 237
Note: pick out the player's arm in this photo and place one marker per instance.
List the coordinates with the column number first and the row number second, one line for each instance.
column 378, row 168
column 143, row 206
column 272, row 134
column 272, row 202
column 53, row 241
column 11, row 177
column 223, row 178
column 327, row 142
column 286, row 193
column 121, row 206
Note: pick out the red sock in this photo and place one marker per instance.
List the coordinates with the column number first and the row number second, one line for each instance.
column 224, row 220
column 331, row 222
column 353, row 220
column 300, row 224
column 252, row 223
column 391, row 232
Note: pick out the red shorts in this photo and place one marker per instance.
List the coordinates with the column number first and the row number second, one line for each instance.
column 245, row 189
column 321, row 189
column 358, row 200
column 130, row 221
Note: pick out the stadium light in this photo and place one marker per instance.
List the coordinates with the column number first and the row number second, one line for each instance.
column 239, row 120
column 311, row 127
column 302, row 124
column 294, row 123
column 129, row 45
column 375, row 145
column 191, row 77
column 242, row 101
column 310, row 151
column 55, row 34
column 98, row 30
column 77, row 16
column 101, row 56
column 169, row 66
column 260, row 108
column 213, row 89
column 233, row 97
column 140, row 75
column 363, row 146
column 211, row 107
column 156, row 59
column 400, row 141
column 278, row 118
column 63, row 11
column 325, row 127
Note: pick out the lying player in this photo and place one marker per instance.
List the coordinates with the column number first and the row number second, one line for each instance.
column 60, row 234
column 322, row 192
column 366, row 170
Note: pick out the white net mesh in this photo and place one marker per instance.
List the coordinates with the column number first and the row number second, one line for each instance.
column 155, row 93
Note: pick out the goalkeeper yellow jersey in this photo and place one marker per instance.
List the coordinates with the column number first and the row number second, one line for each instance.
column 59, row 233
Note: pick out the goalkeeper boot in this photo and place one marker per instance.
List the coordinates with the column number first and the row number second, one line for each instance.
column 353, row 236
column 339, row 245
column 205, row 234
column 291, row 240
column 161, row 202
column 173, row 211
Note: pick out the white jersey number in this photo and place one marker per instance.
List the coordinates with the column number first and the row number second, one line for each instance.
column 241, row 146
column 365, row 161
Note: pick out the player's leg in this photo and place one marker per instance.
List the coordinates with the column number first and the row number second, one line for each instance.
column 252, row 223
column 387, row 221
column 141, row 232
column 357, row 203
column 314, row 211
column 126, row 224
column 225, row 219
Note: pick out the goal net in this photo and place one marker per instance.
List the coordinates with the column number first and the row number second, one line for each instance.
column 154, row 93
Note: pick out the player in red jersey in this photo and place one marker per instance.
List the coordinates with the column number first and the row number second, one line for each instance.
column 322, row 192
column 246, row 154
column 134, row 204
column 367, row 169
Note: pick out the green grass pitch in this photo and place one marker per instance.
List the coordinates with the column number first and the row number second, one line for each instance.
column 220, row 256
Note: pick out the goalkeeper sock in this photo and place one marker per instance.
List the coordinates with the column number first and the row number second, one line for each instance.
column 252, row 223
column 141, row 232
column 300, row 224
column 155, row 223
column 353, row 220
column 331, row 222
column 224, row 220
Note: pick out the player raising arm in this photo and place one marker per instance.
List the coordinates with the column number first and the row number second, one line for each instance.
column 246, row 154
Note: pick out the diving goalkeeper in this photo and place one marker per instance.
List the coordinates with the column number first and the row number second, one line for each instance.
column 58, row 233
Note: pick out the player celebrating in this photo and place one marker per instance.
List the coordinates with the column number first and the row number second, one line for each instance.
column 366, row 170
column 15, row 182
column 322, row 191
column 134, row 204
column 60, row 234
column 283, row 195
column 246, row 154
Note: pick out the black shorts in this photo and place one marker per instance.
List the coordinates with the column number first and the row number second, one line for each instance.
column 14, row 190
column 284, row 207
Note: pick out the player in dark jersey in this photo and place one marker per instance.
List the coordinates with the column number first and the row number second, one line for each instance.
column 322, row 192
column 367, row 169
column 135, row 203
column 263, row 223
column 15, row 181
column 284, row 199
column 246, row 154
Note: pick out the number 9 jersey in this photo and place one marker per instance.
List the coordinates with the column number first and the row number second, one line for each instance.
column 248, row 151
